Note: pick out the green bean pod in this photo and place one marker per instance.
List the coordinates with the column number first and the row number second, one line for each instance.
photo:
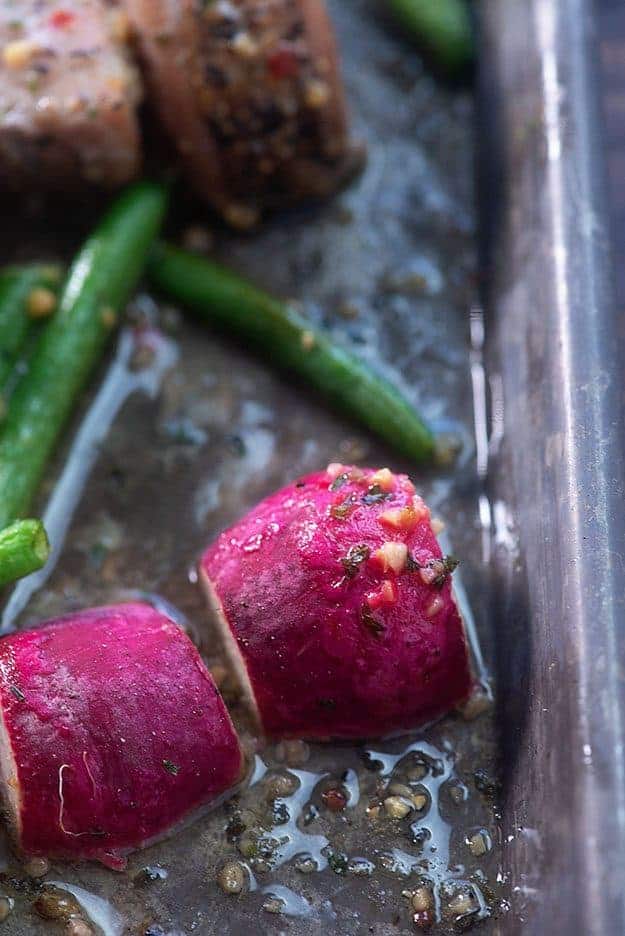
column 24, row 548
column 17, row 286
column 442, row 27
column 223, row 299
column 101, row 279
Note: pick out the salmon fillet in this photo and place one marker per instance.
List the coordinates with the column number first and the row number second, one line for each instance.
column 68, row 95
column 250, row 93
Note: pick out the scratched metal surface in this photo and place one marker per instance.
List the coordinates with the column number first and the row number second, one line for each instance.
column 557, row 338
column 390, row 268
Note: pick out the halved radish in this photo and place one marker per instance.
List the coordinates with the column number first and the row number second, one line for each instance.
column 112, row 732
column 336, row 607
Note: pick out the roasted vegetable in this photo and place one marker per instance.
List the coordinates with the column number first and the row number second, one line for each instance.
column 336, row 607
column 24, row 294
column 113, row 731
column 223, row 299
column 98, row 285
column 24, row 548
column 442, row 27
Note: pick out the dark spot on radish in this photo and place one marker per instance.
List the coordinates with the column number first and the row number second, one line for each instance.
column 355, row 557
column 411, row 564
column 449, row 563
column 375, row 495
column 340, row 481
column 370, row 621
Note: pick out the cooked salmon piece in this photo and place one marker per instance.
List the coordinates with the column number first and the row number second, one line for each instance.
column 68, row 95
column 251, row 94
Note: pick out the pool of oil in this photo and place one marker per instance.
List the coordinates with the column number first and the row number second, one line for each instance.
column 179, row 442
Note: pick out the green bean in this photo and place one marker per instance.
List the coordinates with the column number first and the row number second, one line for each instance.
column 17, row 286
column 442, row 27
column 99, row 283
column 24, row 548
column 288, row 340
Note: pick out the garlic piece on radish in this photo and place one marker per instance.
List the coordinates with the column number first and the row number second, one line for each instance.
column 384, row 478
column 393, row 556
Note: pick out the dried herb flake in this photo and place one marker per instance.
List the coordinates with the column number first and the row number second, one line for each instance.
column 17, row 692
column 443, row 568
column 375, row 495
column 171, row 768
column 449, row 563
column 370, row 621
column 337, row 862
column 343, row 510
column 355, row 557
column 411, row 564
column 340, row 481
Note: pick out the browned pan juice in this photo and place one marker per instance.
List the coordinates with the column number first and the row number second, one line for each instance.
column 329, row 838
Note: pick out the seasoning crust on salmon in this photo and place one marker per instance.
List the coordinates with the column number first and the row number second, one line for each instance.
column 251, row 94
column 68, row 95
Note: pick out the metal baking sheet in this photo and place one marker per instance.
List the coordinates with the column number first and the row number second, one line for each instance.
column 558, row 344
column 391, row 268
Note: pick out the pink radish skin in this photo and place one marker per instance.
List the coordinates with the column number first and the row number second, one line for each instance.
column 332, row 648
column 113, row 732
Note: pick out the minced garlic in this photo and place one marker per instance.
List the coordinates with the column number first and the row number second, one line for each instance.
column 384, row 478
column 388, row 592
column 19, row 53
column 421, row 510
column 400, row 518
column 334, row 469
column 393, row 556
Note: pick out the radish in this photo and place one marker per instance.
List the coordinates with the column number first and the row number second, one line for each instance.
column 336, row 608
column 112, row 732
